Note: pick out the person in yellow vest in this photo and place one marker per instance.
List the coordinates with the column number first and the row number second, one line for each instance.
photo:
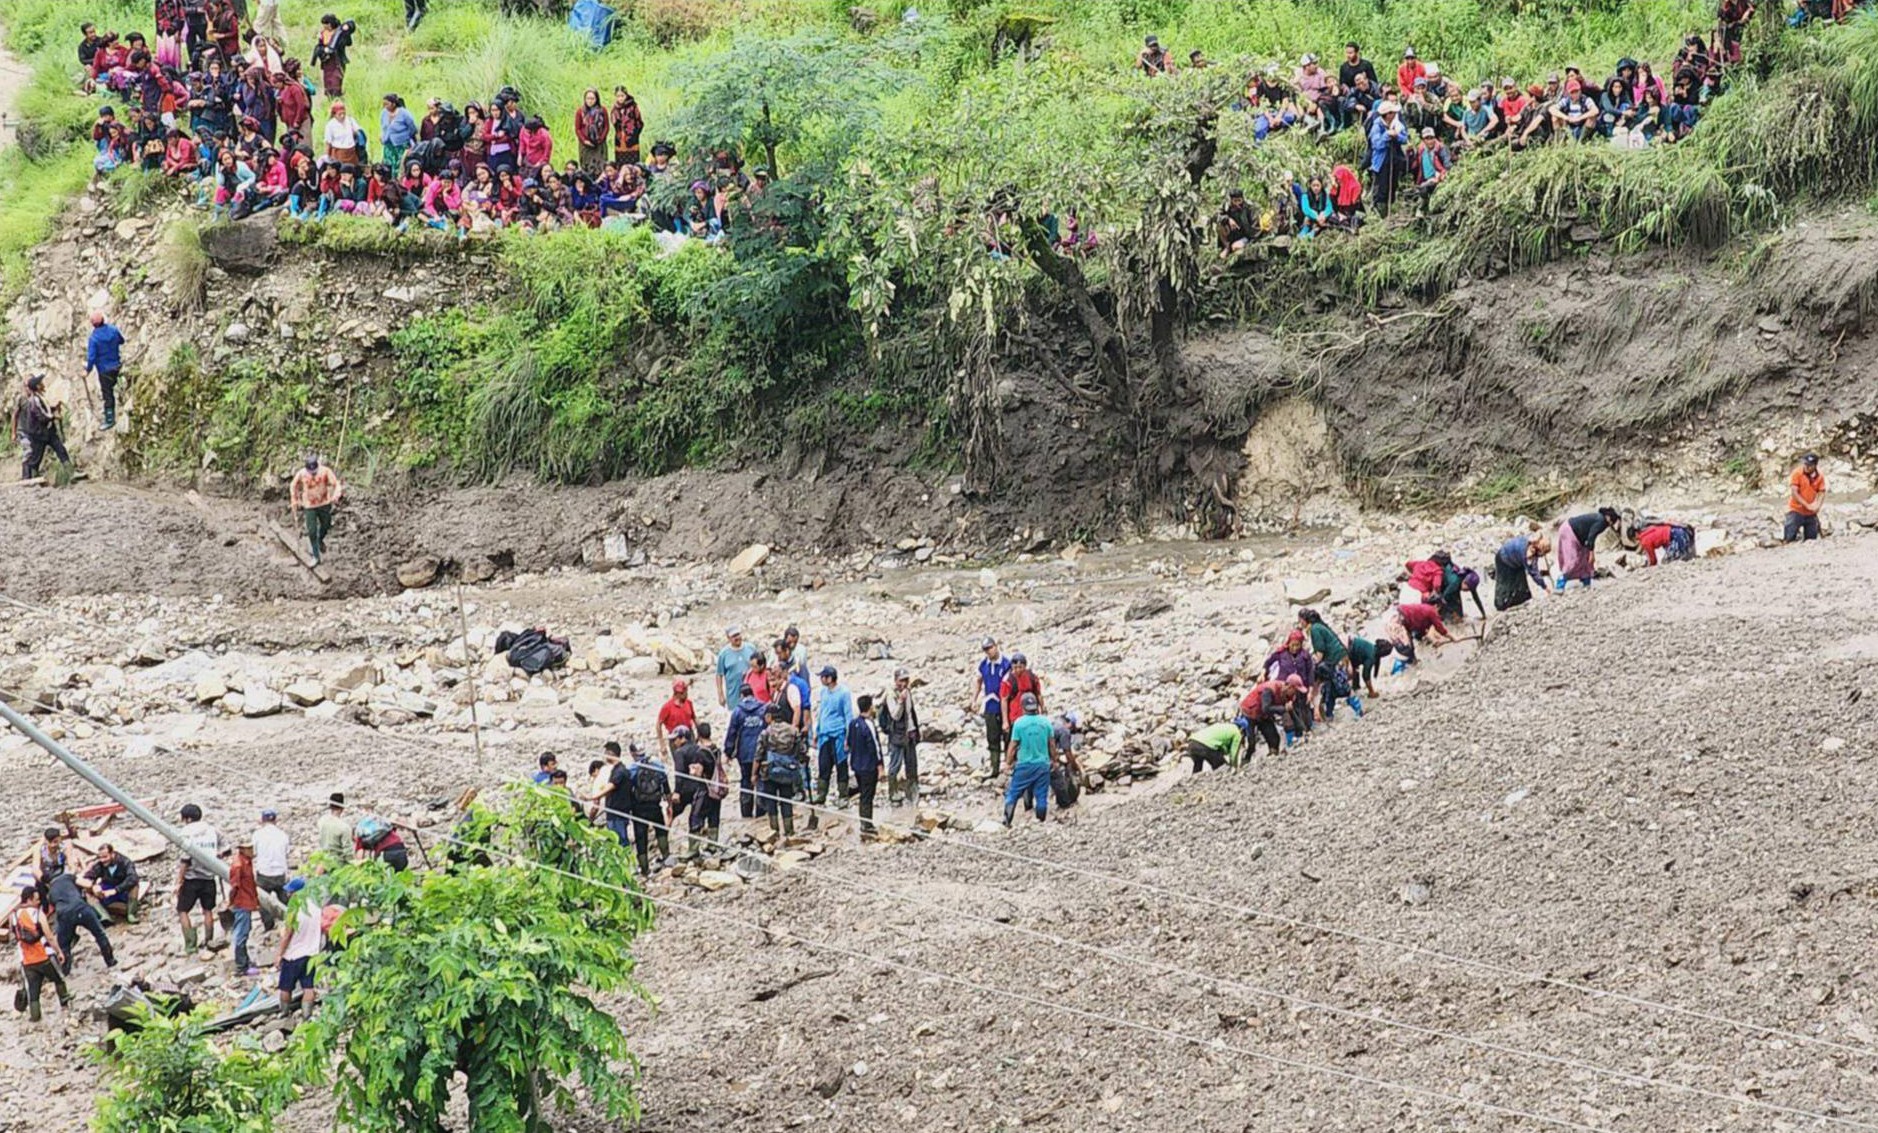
column 1806, row 497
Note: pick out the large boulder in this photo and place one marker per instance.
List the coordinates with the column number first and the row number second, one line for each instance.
column 244, row 246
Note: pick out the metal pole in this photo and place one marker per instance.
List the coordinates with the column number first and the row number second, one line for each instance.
column 136, row 809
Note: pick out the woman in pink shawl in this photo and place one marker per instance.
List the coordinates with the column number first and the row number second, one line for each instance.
column 1577, row 544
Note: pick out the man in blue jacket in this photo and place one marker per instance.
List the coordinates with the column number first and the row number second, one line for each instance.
column 104, row 352
column 1388, row 152
column 744, row 738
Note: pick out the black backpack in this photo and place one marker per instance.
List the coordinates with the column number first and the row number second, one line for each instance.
column 782, row 768
column 1065, row 785
column 648, row 784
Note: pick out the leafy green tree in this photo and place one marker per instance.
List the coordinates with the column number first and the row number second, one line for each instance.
column 811, row 94
column 489, row 968
column 167, row 1077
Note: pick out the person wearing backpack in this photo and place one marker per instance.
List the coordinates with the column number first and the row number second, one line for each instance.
column 35, row 940
column 649, row 788
column 780, row 768
column 374, row 838
column 702, row 785
column 745, row 737
column 900, row 720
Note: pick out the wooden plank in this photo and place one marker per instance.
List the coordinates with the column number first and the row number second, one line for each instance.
column 293, row 545
column 97, row 811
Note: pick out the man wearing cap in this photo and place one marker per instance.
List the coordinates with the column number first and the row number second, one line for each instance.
column 1388, row 146
column 271, row 849
column 899, row 718
column 1410, row 70
column 1028, row 759
column 312, row 495
column 300, row 941
column 694, row 762
column 1153, row 58
column 993, row 667
column 676, row 713
column 733, row 662
column 1806, row 496
column 334, row 832
column 244, row 899
column 36, row 424
column 834, row 711
column 1431, row 162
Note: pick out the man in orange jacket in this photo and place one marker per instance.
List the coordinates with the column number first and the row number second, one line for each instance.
column 1807, row 496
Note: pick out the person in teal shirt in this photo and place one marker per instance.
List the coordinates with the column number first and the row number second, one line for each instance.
column 1027, row 759
column 832, row 716
column 733, row 666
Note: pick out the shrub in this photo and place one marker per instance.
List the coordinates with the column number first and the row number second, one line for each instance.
column 166, row 1077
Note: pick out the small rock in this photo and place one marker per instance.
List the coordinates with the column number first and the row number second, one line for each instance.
column 829, row 1081
column 1148, row 605
column 305, row 693
column 210, row 688
column 259, row 700
column 1831, row 744
column 1416, row 893
column 419, row 572
column 237, row 333
column 712, row 880
column 748, row 559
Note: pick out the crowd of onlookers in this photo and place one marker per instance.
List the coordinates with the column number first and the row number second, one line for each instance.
column 216, row 101
column 1418, row 121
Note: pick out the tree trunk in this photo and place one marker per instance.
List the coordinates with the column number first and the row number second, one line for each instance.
column 769, row 144
column 1110, row 351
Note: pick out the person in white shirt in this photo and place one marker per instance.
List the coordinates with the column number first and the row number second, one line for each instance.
column 272, row 846
column 299, row 943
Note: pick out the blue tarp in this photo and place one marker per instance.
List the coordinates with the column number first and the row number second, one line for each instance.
column 593, row 20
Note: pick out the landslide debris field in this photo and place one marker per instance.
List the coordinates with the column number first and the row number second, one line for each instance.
column 1658, row 789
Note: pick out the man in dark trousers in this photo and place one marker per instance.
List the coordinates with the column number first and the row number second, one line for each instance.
column 864, row 759
column 73, row 912
column 37, row 425
column 104, row 353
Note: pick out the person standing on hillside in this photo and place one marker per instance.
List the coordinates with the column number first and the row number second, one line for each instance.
column 244, row 897
column 195, row 883
column 34, row 937
column 833, row 713
column 1020, row 682
column 863, row 740
column 993, row 667
column 272, row 848
column 316, row 489
column 104, row 356
column 329, row 51
column 334, row 832
column 733, row 666
column 743, row 740
column 628, row 123
column 900, row 721
column 1806, row 496
column 36, row 424
column 1518, row 560
column 676, row 713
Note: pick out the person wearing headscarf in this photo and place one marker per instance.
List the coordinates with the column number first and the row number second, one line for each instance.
column 1577, row 545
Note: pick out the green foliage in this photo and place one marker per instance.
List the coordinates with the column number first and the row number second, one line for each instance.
column 182, row 261
column 167, row 1077
column 489, row 968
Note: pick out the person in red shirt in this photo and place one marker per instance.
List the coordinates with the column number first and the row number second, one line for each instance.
column 1017, row 682
column 1410, row 70
column 1409, row 623
column 678, row 712
column 245, row 899
column 1268, row 705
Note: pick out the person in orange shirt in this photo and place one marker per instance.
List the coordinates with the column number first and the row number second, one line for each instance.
column 35, row 939
column 316, row 488
column 1807, row 496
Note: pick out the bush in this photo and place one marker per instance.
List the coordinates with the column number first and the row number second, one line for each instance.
column 166, row 1077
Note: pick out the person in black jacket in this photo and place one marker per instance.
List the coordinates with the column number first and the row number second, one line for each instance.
column 37, row 425
column 899, row 718
column 112, row 882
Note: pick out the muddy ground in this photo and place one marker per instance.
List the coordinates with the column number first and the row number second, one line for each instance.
column 1655, row 789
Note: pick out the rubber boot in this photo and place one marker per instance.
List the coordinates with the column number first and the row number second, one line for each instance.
column 1395, row 670
column 189, row 938
column 1010, row 812
column 893, row 790
column 1290, row 738
column 1356, row 706
column 912, row 793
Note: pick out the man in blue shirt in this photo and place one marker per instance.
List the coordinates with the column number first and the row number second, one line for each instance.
column 992, row 669
column 864, row 759
column 733, row 664
column 832, row 717
column 546, row 765
column 1028, row 760
column 104, row 352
